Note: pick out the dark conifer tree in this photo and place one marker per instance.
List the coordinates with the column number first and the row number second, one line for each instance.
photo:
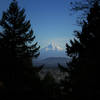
column 84, row 50
column 17, row 47
column 17, row 34
column 83, row 7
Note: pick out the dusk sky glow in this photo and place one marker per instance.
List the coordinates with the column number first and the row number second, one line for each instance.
column 50, row 19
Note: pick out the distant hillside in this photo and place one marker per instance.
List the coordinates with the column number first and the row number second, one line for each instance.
column 52, row 61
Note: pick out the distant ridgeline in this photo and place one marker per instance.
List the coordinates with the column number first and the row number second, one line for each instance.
column 52, row 62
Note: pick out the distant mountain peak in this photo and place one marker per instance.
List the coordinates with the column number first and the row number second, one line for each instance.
column 52, row 50
column 54, row 47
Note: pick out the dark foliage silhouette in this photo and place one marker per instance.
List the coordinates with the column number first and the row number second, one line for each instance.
column 65, row 83
column 17, row 49
column 84, row 50
column 83, row 7
column 18, row 76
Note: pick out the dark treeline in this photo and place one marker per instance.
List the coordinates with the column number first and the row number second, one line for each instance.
column 84, row 50
column 19, row 78
column 16, row 51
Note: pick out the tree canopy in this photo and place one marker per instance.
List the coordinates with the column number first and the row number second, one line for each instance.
column 17, row 48
column 84, row 50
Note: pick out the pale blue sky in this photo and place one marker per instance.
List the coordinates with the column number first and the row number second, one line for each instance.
column 50, row 19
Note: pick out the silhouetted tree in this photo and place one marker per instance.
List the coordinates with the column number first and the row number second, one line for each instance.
column 65, row 83
column 50, row 86
column 17, row 47
column 84, row 50
column 62, row 69
column 83, row 7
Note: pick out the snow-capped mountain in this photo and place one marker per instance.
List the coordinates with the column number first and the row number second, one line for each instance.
column 51, row 55
column 53, row 47
column 52, row 50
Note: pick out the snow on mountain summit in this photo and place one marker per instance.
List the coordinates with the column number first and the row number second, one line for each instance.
column 53, row 46
column 52, row 50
